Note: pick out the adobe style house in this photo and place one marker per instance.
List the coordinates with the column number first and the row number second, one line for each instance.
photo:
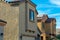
column 51, row 22
column 47, row 27
column 57, row 31
column 41, row 26
column 50, row 28
column 18, row 20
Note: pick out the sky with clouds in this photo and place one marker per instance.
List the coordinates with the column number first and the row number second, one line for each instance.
column 49, row 7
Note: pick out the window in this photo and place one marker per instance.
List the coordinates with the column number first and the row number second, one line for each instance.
column 41, row 37
column 1, row 34
column 31, row 15
column 43, row 25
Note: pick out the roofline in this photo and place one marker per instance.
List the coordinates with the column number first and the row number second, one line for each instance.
column 32, row 3
column 23, row 1
column 54, row 19
column 36, row 11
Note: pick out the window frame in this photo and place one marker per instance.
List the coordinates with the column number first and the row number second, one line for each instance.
column 30, row 14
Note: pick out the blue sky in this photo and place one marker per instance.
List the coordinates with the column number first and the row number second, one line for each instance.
column 49, row 7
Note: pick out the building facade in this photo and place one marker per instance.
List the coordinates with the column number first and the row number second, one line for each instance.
column 50, row 24
column 18, row 20
column 41, row 27
column 57, row 31
column 47, row 26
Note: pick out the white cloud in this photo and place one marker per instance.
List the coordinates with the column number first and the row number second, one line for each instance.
column 47, row 6
column 44, row 12
column 57, row 19
column 51, row 15
column 47, row 12
column 41, row 13
column 54, row 15
column 56, row 2
column 58, row 25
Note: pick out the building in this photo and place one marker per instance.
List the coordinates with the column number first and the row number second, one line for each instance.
column 18, row 20
column 57, row 31
column 41, row 28
column 47, row 26
column 50, row 24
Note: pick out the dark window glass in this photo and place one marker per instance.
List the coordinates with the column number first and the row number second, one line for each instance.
column 1, row 34
column 43, row 25
column 31, row 15
column 41, row 38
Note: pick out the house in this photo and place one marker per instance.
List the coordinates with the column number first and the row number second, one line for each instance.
column 47, row 26
column 57, row 31
column 50, row 24
column 18, row 20
column 41, row 26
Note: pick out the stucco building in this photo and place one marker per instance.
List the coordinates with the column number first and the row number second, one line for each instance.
column 41, row 28
column 50, row 24
column 47, row 27
column 57, row 31
column 18, row 20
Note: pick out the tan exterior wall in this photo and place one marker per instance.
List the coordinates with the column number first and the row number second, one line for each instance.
column 47, row 28
column 11, row 15
column 22, row 18
column 44, row 36
column 39, row 24
column 53, row 27
column 15, row 17
column 31, row 25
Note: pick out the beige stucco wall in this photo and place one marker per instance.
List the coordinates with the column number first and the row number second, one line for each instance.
column 41, row 28
column 22, row 18
column 32, row 25
column 44, row 36
column 15, row 17
column 39, row 25
column 11, row 15
column 47, row 28
column 28, row 38
column 53, row 27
